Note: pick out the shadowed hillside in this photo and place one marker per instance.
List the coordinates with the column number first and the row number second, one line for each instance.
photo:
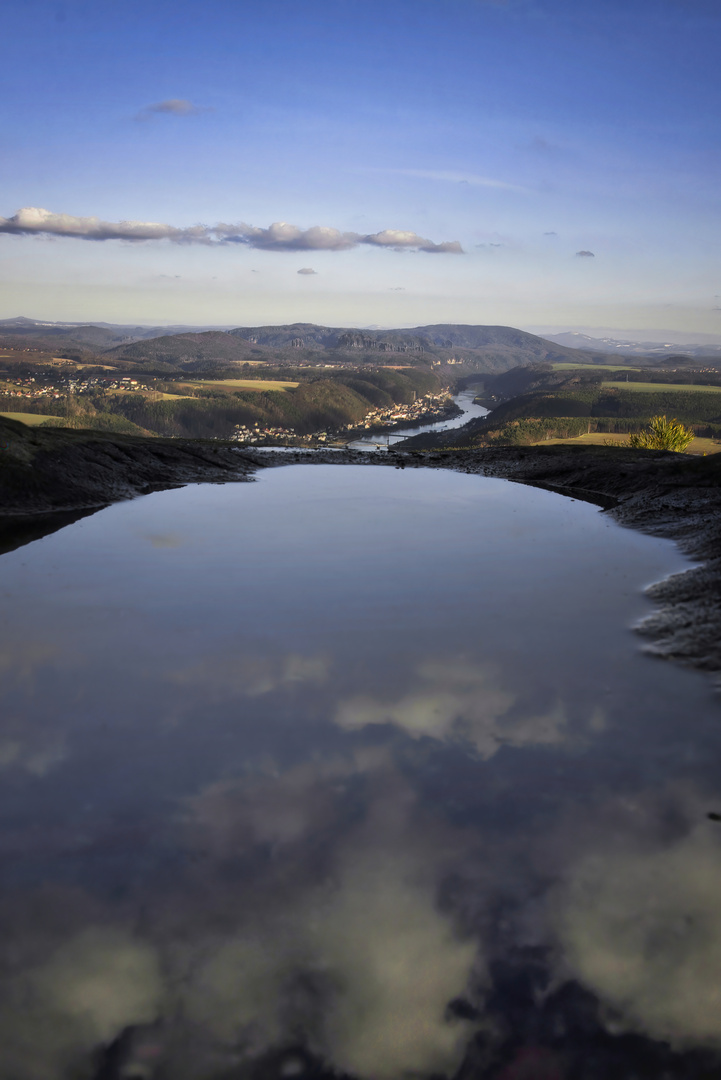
column 463, row 349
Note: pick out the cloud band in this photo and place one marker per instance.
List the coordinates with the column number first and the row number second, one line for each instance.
column 280, row 236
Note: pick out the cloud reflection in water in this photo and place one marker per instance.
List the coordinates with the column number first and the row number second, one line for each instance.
column 318, row 786
column 223, row 676
column 456, row 701
column 361, row 966
column 641, row 926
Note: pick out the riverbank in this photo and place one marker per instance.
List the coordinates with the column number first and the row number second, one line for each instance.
column 447, row 411
column 49, row 477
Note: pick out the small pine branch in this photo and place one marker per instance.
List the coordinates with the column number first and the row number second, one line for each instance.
column 663, row 434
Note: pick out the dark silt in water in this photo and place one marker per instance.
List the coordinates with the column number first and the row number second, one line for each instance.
column 356, row 771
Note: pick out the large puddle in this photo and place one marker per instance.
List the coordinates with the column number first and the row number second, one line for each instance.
column 356, row 770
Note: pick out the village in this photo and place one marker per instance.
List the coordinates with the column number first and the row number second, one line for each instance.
column 60, row 385
column 93, row 393
column 425, row 409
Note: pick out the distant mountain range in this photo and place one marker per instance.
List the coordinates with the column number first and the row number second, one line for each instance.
column 574, row 340
column 476, row 349
column 91, row 336
column 494, row 345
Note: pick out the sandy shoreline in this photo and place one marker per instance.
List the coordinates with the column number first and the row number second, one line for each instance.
column 51, row 477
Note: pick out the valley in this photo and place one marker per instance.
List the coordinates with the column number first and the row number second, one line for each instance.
column 299, row 381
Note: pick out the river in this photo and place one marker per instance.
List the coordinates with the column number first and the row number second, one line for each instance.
column 382, row 440
column 352, row 771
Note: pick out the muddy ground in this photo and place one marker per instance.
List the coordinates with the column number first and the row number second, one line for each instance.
column 51, row 477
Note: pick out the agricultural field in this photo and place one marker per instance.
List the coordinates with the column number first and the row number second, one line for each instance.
column 155, row 395
column 593, row 367
column 79, row 367
column 598, row 438
column 31, row 419
column 657, row 388
column 244, row 384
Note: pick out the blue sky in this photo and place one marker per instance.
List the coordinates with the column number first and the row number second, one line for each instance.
column 520, row 132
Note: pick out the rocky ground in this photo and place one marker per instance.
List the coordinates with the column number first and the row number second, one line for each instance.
column 50, row 477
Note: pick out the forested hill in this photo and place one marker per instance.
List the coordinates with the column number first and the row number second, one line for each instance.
column 441, row 336
column 471, row 349
column 86, row 338
column 474, row 349
column 545, row 401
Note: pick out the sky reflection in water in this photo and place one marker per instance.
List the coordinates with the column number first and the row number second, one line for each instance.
column 308, row 766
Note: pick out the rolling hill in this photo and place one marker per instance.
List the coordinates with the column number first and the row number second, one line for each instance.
column 469, row 349
column 466, row 349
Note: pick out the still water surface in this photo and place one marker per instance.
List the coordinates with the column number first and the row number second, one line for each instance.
column 352, row 769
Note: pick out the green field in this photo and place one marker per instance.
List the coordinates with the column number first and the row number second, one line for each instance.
column 78, row 366
column 599, row 438
column 154, row 395
column 593, row 367
column 658, row 388
column 31, row 419
column 246, row 384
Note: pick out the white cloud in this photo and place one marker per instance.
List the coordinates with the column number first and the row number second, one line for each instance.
column 642, row 929
column 252, row 675
column 170, row 107
column 384, row 939
column 456, row 702
column 93, row 985
column 329, row 933
column 232, row 817
column 280, row 236
column 365, row 963
column 454, row 177
column 400, row 240
column 33, row 220
column 34, row 747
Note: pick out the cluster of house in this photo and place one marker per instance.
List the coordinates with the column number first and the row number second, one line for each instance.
column 117, row 384
column 428, row 408
column 28, row 388
column 257, row 435
column 60, row 385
